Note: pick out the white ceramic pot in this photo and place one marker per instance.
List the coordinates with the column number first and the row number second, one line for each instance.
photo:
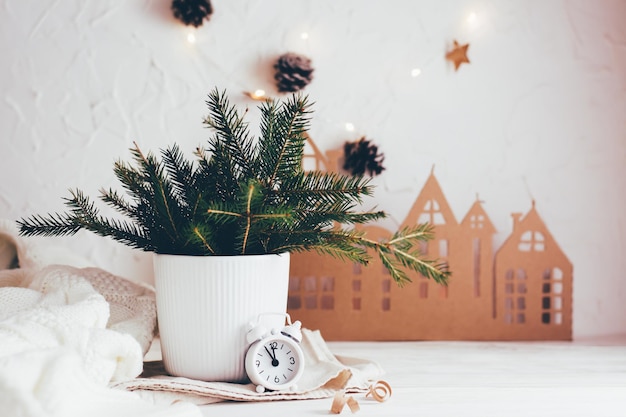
column 205, row 305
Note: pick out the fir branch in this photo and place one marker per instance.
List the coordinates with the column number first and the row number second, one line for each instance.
column 251, row 190
column 83, row 215
column 280, row 153
column 339, row 216
column 86, row 214
column 397, row 274
column 220, row 173
column 336, row 242
column 269, row 138
column 343, row 253
column 132, row 181
column 311, row 187
column 197, row 232
column 225, row 213
column 115, row 200
column 182, row 176
column 423, row 232
column 399, row 246
column 160, row 185
column 429, row 269
column 232, row 132
column 50, row 225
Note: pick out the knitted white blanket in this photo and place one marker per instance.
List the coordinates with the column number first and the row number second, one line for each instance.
column 67, row 333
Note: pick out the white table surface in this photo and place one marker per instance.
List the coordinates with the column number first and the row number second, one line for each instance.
column 465, row 379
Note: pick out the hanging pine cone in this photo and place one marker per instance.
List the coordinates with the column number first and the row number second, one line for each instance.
column 362, row 156
column 293, row 72
column 192, row 12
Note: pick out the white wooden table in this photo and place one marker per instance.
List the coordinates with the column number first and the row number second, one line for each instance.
column 465, row 379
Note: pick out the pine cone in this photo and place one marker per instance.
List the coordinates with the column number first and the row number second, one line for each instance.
column 362, row 156
column 293, row 72
column 192, row 12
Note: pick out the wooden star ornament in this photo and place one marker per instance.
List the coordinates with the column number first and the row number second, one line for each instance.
column 458, row 55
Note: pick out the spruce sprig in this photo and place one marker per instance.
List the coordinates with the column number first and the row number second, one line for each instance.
column 241, row 196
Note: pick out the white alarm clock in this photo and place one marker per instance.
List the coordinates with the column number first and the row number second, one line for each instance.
column 274, row 360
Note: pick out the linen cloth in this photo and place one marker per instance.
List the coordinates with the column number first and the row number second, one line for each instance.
column 73, row 337
column 324, row 374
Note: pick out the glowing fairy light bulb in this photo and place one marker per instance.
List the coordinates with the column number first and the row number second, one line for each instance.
column 473, row 20
column 258, row 94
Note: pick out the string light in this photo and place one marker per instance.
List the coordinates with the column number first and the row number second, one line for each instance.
column 473, row 21
column 256, row 95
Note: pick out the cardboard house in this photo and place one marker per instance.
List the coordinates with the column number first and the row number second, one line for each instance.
column 522, row 292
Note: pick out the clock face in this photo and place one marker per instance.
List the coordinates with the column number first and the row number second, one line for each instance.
column 276, row 363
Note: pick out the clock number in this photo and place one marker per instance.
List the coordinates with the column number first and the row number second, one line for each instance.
column 292, row 360
column 276, row 379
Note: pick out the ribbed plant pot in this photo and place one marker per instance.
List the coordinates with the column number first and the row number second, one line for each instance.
column 205, row 305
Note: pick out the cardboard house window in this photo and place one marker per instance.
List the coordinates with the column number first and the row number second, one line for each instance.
column 327, row 302
column 423, row 245
column 309, row 284
column 327, row 298
column 311, row 293
column 356, row 294
column 515, row 301
column 432, row 213
column 386, row 289
column 476, row 265
column 294, row 302
column 423, row 289
column 552, row 297
column 531, row 241
column 477, row 222
column 443, row 248
column 328, row 284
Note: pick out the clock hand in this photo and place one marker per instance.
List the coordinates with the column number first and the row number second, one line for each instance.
column 274, row 360
column 272, row 354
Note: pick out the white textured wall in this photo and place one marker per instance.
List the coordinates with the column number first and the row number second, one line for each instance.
column 540, row 112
